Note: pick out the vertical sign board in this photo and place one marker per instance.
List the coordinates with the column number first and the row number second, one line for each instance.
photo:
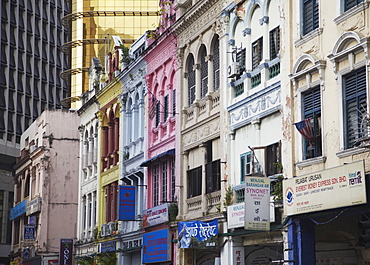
column 257, row 203
column 238, row 255
column 66, row 251
column 29, row 234
column 127, row 202
column 157, row 246
column 327, row 189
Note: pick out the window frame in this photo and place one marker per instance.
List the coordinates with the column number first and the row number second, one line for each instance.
column 243, row 165
column 314, row 112
column 194, row 178
column 358, row 97
column 257, row 52
column 274, row 36
column 213, row 173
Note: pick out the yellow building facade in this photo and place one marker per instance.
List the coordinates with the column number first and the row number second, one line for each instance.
column 91, row 24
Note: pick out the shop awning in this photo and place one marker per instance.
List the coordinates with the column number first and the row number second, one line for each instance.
column 146, row 163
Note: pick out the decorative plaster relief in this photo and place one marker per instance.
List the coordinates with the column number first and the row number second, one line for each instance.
column 255, row 108
column 201, row 134
column 198, row 23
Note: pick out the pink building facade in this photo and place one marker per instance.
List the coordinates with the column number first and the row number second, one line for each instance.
column 160, row 163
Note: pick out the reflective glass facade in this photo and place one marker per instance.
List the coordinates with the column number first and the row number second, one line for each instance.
column 92, row 25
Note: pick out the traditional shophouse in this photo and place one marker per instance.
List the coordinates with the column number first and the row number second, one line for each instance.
column 87, row 229
column 46, row 181
column 201, row 135
column 132, row 148
column 109, row 155
column 161, row 127
column 326, row 131
column 254, row 130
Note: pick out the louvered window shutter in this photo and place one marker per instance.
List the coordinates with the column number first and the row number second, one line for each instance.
column 348, row 4
column 310, row 15
column 355, row 104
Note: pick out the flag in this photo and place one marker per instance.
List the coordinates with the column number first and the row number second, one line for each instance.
column 305, row 129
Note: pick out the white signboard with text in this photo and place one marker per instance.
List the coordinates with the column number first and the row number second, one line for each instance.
column 328, row 189
column 257, row 203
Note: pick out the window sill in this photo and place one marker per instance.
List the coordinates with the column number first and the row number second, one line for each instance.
column 349, row 13
column 352, row 151
column 311, row 161
column 308, row 37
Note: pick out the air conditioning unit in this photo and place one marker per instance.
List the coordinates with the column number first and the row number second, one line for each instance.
column 104, row 230
column 111, row 227
column 32, row 148
column 233, row 70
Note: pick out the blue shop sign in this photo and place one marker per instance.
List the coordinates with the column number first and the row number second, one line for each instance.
column 18, row 210
column 197, row 234
column 107, row 246
column 157, row 246
column 127, row 202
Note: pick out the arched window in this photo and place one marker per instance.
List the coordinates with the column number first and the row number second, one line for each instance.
column 203, row 72
column 216, row 65
column 191, row 80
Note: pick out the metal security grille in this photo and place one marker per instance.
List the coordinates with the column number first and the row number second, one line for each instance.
column 164, row 181
column 216, row 65
column 274, row 43
column 256, row 53
column 156, row 185
column 165, row 116
column 191, row 80
column 204, row 73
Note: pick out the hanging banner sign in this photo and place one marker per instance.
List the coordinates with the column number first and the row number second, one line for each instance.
column 325, row 189
column 197, row 234
column 127, row 202
column 257, row 203
column 156, row 215
column 157, row 246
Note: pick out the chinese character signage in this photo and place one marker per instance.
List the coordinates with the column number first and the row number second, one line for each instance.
column 324, row 189
column 127, row 201
column 197, row 234
column 156, row 215
column 238, row 255
column 66, row 251
column 157, row 246
column 257, row 203
column 29, row 234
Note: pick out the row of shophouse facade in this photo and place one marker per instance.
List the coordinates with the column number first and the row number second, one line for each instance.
column 162, row 162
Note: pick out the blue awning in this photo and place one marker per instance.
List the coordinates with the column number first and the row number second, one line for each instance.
column 146, row 163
